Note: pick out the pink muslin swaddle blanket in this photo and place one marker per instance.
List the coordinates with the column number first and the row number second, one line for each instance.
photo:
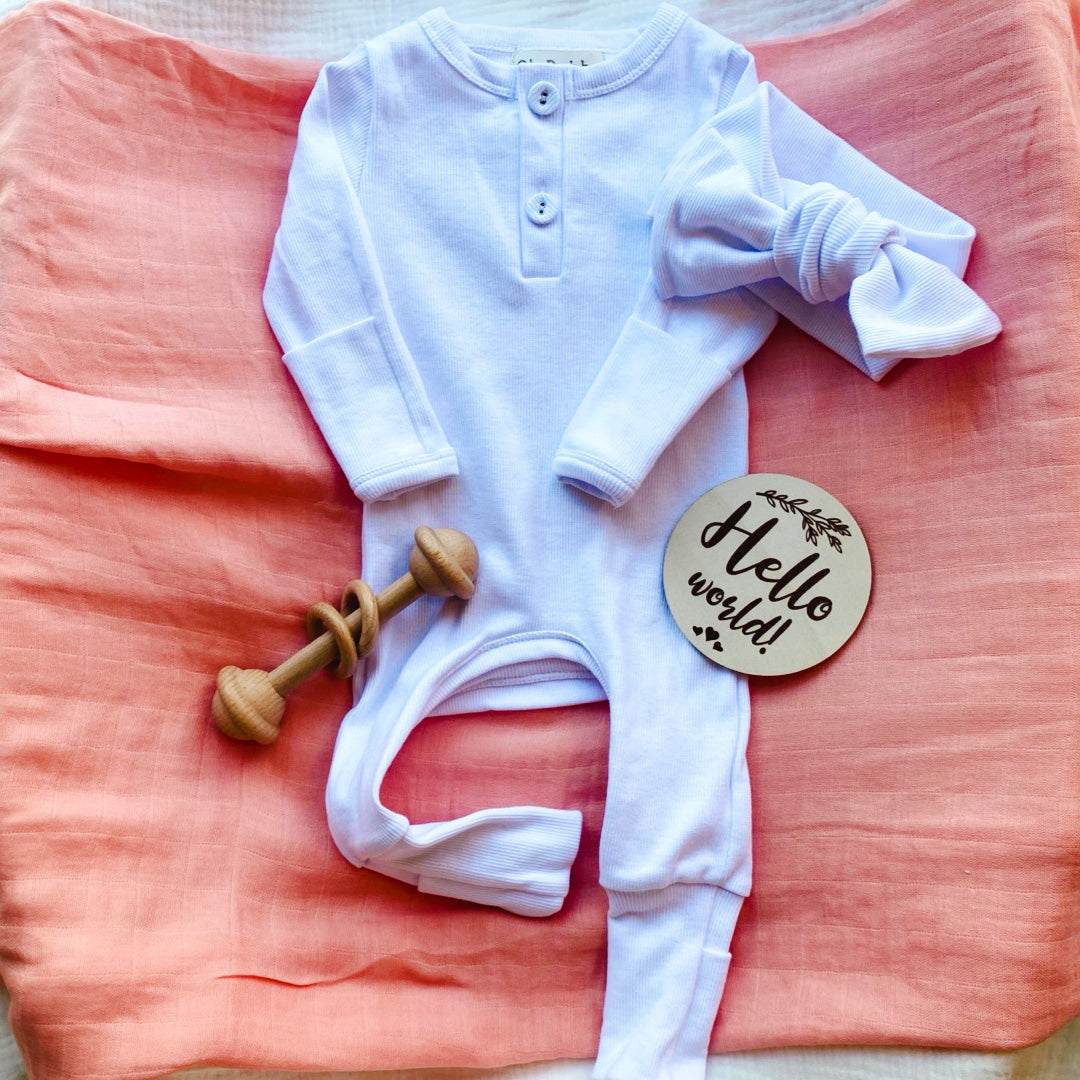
column 169, row 897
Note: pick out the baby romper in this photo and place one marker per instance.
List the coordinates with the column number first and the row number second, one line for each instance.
column 517, row 298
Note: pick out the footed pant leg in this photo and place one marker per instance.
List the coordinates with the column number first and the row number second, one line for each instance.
column 513, row 857
column 668, row 958
column 675, row 860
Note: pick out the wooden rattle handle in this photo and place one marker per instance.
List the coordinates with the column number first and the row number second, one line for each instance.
column 249, row 703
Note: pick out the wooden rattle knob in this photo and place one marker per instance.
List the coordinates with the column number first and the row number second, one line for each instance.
column 249, row 703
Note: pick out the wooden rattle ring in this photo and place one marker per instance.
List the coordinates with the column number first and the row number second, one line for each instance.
column 359, row 596
column 322, row 617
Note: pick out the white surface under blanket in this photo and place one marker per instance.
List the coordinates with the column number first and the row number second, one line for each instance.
column 327, row 29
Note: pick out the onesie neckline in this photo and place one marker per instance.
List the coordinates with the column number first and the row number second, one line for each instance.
column 460, row 44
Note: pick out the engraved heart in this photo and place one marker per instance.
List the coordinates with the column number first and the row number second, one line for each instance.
column 697, row 631
column 711, row 634
column 717, row 646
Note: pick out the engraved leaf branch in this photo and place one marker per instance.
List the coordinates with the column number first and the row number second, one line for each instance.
column 814, row 525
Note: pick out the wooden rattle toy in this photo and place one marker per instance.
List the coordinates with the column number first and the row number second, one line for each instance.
column 249, row 703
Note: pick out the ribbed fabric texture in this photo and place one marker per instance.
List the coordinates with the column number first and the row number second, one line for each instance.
column 765, row 197
column 470, row 295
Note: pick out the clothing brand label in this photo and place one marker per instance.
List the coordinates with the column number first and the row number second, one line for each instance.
column 767, row 574
column 578, row 57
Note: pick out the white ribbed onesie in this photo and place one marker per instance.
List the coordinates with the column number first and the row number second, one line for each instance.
column 517, row 299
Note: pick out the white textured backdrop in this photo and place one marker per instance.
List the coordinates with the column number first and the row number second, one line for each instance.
column 327, row 29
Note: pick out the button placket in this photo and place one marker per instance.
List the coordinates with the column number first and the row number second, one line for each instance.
column 541, row 93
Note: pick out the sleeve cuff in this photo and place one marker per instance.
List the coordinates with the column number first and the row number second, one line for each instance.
column 391, row 482
column 364, row 394
column 652, row 381
column 593, row 477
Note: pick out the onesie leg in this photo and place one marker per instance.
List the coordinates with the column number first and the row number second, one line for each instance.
column 513, row 857
column 675, row 855
column 668, row 956
column 517, row 858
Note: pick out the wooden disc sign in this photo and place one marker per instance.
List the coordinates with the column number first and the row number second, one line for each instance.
column 767, row 574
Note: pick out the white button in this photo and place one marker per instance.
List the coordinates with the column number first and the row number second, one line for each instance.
column 543, row 97
column 541, row 208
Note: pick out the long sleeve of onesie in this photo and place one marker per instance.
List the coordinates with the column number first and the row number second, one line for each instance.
column 765, row 211
column 326, row 300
